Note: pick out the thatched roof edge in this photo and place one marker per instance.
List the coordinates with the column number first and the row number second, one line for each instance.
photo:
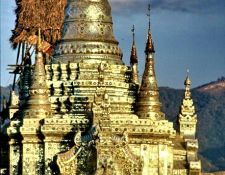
column 48, row 15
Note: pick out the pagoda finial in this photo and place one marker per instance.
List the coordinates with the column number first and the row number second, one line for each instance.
column 149, row 105
column 38, row 99
column 188, row 72
column 149, row 45
column 149, row 17
column 133, row 57
column 187, row 84
column 134, row 60
column 39, row 40
column 133, row 32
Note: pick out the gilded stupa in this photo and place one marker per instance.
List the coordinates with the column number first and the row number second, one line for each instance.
column 85, row 112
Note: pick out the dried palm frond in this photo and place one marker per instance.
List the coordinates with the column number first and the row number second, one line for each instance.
column 48, row 15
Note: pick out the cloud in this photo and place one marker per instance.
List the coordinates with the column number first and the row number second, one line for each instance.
column 124, row 7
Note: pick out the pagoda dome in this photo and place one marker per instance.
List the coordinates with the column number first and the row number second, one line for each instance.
column 88, row 34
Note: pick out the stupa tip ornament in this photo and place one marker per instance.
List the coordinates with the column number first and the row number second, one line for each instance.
column 187, row 81
column 133, row 57
column 149, row 45
column 187, row 84
column 39, row 45
column 88, row 34
column 134, row 60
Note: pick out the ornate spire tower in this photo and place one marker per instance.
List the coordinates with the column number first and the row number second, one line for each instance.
column 134, row 60
column 88, row 34
column 149, row 105
column 38, row 105
column 26, row 77
column 187, row 130
column 37, row 109
column 187, row 116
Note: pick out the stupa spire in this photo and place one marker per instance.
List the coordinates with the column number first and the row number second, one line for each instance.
column 134, row 60
column 149, row 105
column 133, row 57
column 187, row 116
column 38, row 100
column 149, row 45
column 39, row 45
column 187, row 84
column 36, row 109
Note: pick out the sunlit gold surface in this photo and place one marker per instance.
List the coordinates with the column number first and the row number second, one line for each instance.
column 187, row 116
column 134, row 62
column 148, row 104
column 186, row 144
column 88, row 34
column 98, row 120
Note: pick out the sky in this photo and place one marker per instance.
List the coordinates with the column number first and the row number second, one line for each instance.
column 187, row 34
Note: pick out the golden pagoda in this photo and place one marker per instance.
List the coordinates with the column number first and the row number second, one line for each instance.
column 86, row 112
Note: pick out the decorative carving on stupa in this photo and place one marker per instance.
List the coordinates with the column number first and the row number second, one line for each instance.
column 81, row 158
column 88, row 34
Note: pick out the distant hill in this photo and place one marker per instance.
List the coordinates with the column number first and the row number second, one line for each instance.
column 4, row 92
column 209, row 100
column 214, row 88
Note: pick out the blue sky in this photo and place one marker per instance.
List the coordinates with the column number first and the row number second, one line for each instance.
column 187, row 35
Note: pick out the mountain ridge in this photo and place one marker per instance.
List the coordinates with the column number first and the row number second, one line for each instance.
column 215, row 87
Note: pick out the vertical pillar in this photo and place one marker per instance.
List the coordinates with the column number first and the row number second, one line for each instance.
column 15, row 148
column 58, row 134
column 53, row 141
column 33, row 148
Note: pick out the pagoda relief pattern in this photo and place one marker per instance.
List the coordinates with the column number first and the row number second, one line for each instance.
column 84, row 112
